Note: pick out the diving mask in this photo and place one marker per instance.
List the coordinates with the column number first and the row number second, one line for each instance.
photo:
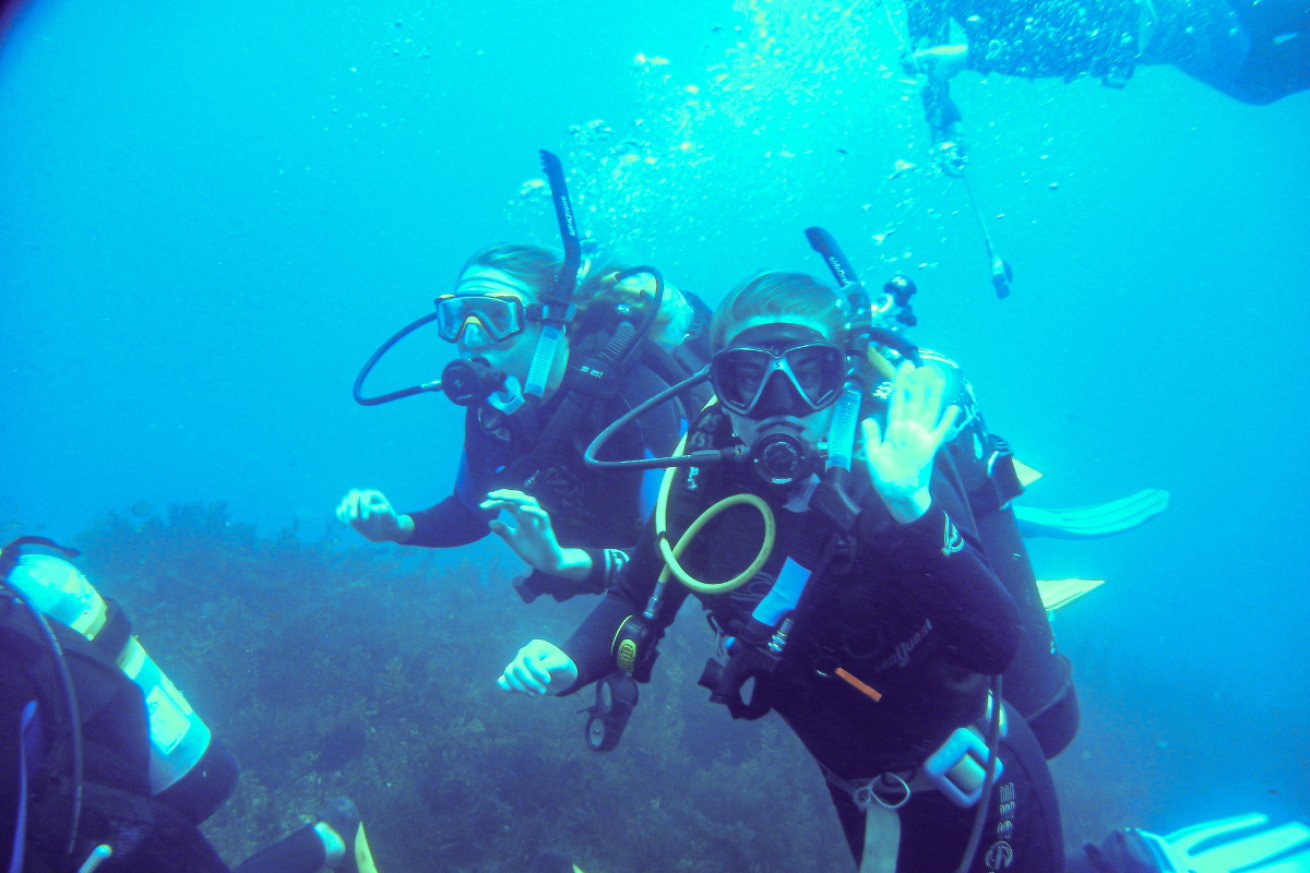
column 501, row 317
column 778, row 369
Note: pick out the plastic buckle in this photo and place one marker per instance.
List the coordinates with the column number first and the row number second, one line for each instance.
column 866, row 795
column 959, row 767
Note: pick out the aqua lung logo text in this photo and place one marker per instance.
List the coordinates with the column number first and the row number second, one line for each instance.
column 952, row 541
column 837, row 271
column 999, row 856
column 901, row 657
column 568, row 216
column 1001, row 853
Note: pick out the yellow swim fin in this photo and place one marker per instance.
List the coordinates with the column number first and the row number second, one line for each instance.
column 363, row 854
column 1061, row 592
column 1027, row 475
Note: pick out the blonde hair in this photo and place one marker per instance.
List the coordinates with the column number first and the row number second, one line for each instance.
column 534, row 266
column 781, row 295
column 538, row 267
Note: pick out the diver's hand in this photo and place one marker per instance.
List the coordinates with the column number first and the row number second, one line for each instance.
column 943, row 62
column 370, row 513
column 900, row 460
column 528, row 532
column 539, row 668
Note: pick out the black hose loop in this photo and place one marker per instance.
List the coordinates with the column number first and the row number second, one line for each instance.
column 377, row 356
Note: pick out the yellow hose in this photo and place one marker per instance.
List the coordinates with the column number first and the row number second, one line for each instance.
column 671, row 554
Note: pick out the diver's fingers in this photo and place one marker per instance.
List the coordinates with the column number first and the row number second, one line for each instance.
column 918, row 390
column 901, row 393
column 377, row 501
column 524, row 678
column 511, row 682
column 514, row 682
column 505, row 523
column 949, row 417
column 534, row 515
column 872, row 434
column 537, row 667
column 930, row 387
column 509, row 495
column 500, row 529
column 350, row 506
column 503, row 683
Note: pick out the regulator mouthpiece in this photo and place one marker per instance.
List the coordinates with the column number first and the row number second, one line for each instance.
column 780, row 454
column 465, row 386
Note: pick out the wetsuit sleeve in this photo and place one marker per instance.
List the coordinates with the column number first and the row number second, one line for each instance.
column 964, row 597
column 590, row 645
column 449, row 523
column 455, row 521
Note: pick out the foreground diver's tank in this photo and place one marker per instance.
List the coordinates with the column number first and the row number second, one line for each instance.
column 197, row 772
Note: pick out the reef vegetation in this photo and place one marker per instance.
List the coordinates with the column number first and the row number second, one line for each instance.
column 370, row 672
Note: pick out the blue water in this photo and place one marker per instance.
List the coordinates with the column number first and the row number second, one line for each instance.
column 211, row 214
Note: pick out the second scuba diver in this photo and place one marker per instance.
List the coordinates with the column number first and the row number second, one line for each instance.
column 550, row 352
column 869, row 620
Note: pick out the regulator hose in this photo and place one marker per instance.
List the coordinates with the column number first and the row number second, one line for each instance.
column 672, row 553
column 377, row 356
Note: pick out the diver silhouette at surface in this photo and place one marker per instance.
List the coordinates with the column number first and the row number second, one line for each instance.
column 1256, row 51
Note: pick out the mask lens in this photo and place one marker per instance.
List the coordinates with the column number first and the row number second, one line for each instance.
column 501, row 317
column 742, row 377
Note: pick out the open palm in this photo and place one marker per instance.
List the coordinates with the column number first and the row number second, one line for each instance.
column 900, row 456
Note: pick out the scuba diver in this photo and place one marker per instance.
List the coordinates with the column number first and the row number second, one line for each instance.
column 1039, row 681
column 550, row 352
column 849, row 593
column 103, row 763
column 1256, row 51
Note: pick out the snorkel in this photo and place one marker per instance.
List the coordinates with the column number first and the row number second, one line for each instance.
column 557, row 311
column 864, row 348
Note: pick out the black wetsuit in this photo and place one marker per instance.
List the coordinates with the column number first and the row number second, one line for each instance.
column 1039, row 680
column 915, row 613
column 598, row 510
column 1254, row 50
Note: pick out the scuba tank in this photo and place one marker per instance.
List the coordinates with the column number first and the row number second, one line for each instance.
column 179, row 739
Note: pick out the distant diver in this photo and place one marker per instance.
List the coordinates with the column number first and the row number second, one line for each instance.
column 550, row 352
column 1256, row 51
column 104, row 766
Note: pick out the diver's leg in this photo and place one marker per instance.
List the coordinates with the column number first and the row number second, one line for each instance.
column 1278, row 63
column 852, row 821
column 1021, row 834
column 1256, row 51
column 1056, row 726
column 301, row 852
